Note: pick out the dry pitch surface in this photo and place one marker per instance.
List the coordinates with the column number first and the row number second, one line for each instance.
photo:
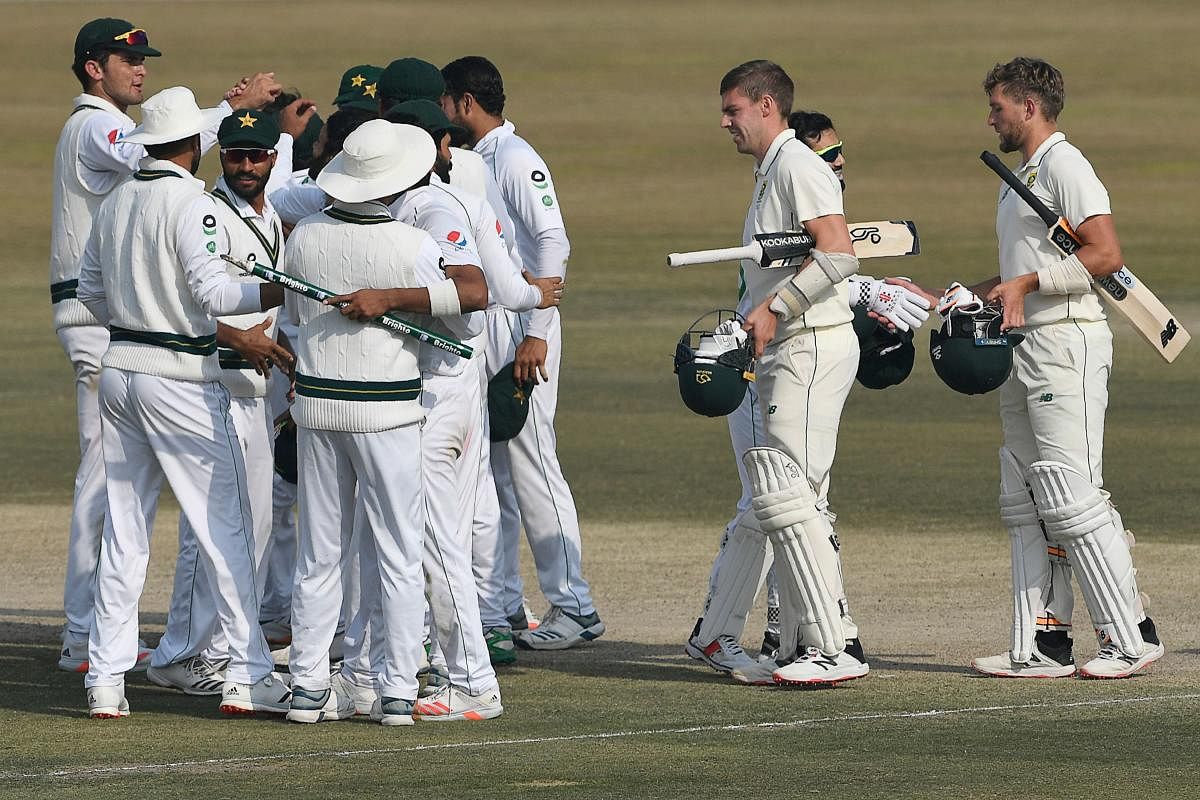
column 621, row 99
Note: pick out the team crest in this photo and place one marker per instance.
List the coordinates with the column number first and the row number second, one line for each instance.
column 1031, row 179
column 703, row 376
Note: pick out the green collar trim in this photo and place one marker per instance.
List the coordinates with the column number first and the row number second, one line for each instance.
column 272, row 249
column 358, row 219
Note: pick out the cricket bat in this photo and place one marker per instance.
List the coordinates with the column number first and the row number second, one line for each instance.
column 790, row 248
column 1122, row 291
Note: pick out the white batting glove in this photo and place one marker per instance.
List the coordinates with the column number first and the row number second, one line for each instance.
column 959, row 298
column 900, row 307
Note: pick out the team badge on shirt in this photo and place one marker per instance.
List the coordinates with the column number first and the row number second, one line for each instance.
column 1031, row 179
column 457, row 238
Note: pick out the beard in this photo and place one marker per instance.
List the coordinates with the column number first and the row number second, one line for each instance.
column 246, row 193
column 441, row 168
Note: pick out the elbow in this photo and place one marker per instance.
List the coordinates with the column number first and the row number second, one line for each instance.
column 473, row 295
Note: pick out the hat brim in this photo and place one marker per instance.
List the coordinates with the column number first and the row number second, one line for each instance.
column 415, row 163
column 209, row 118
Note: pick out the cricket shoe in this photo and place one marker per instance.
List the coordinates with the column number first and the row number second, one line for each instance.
column 435, row 677
column 278, row 631
column 769, row 650
column 107, row 702
column 561, row 629
column 523, row 619
column 271, row 694
column 1051, row 658
column 1110, row 662
column 450, row 703
column 392, row 711
column 195, row 676
column 757, row 673
column 74, row 656
column 814, row 668
column 363, row 696
column 501, row 647
column 723, row 654
column 319, row 705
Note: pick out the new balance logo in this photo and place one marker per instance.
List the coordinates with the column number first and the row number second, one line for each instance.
column 1168, row 333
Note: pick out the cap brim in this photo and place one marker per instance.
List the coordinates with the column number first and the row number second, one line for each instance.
column 209, row 118
column 366, row 104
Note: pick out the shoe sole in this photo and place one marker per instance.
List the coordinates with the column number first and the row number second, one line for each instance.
column 586, row 635
column 743, row 682
column 819, row 681
column 475, row 715
column 395, row 720
column 1041, row 675
column 236, row 710
column 1129, row 673
column 308, row 717
column 106, row 714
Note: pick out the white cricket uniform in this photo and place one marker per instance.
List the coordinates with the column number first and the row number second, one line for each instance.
column 280, row 560
column 89, row 161
column 530, row 485
column 296, row 201
column 1053, row 404
column 164, row 412
column 358, row 413
column 192, row 627
column 806, row 371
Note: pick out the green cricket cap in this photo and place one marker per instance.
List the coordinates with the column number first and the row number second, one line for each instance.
column 247, row 128
column 111, row 34
column 425, row 114
column 359, row 88
column 508, row 404
column 411, row 79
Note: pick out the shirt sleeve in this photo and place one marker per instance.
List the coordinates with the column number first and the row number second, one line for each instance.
column 1076, row 193
column 811, row 188
column 452, row 233
column 104, row 154
column 281, row 173
column 208, row 136
column 198, row 241
column 297, row 201
column 90, row 290
column 553, row 250
column 506, row 285
column 526, row 184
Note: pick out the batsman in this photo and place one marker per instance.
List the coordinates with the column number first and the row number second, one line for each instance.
column 808, row 357
column 1059, row 518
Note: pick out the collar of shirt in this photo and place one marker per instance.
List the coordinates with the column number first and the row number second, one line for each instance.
column 369, row 208
column 95, row 101
column 149, row 163
column 244, row 208
column 772, row 152
column 1036, row 158
column 492, row 138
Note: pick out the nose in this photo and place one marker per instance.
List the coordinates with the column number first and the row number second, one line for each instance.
column 839, row 162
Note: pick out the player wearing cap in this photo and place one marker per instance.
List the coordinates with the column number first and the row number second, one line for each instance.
column 192, row 649
column 526, row 468
column 91, row 158
column 150, row 271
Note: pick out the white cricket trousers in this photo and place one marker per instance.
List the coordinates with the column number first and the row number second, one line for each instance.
column 488, row 556
column 530, row 485
column 192, row 627
column 155, row 427
column 85, row 345
column 280, row 566
column 385, row 468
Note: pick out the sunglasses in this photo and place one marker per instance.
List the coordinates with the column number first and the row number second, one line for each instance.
column 135, row 37
column 830, row 154
column 236, row 155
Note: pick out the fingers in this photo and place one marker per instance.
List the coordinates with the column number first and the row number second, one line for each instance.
column 541, row 368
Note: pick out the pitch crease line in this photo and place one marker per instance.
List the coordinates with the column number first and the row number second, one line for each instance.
column 746, row 726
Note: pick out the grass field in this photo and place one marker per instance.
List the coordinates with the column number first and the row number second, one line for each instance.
column 621, row 100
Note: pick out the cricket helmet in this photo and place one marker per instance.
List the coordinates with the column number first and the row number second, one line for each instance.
column 885, row 357
column 714, row 361
column 969, row 352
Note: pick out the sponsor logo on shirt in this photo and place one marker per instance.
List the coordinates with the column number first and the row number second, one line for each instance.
column 539, row 179
column 210, row 225
column 547, row 200
column 457, row 238
column 113, row 135
column 499, row 230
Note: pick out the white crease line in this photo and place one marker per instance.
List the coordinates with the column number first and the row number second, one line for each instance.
column 749, row 726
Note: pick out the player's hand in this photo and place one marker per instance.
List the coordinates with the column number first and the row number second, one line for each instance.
column 256, row 91
column 260, row 350
column 915, row 288
column 530, row 361
column 1011, row 295
column 294, row 117
column 761, row 324
column 958, row 297
column 551, row 289
column 894, row 306
column 364, row 304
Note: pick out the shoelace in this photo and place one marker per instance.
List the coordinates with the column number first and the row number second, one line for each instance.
column 552, row 616
column 730, row 645
column 1111, row 652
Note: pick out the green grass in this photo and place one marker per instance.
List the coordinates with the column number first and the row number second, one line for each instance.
column 621, row 100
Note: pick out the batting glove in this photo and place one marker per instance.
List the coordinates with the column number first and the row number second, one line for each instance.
column 959, row 298
column 900, row 307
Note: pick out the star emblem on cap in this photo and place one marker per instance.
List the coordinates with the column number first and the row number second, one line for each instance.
column 358, row 80
column 247, row 120
column 369, row 90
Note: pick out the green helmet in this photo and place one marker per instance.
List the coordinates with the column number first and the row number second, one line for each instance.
column 885, row 357
column 969, row 352
column 714, row 364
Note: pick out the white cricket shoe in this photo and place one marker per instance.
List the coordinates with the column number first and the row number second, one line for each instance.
column 759, row 673
column 195, row 676
column 723, row 654
column 1110, row 662
column 74, row 656
column 1039, row 665
column 363, row 696
column 271, row 694
column 107, row 702
column 814, row 668
column 319, row 705
column 560, row 630
column 451, row 703
column 392, row 711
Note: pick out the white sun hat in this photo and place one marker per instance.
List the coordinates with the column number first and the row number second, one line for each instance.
column 378, row 159
column 171, row 115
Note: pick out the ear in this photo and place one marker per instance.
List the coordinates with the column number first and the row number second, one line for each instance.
column 768, row 106
column 93, row 69
column 1031, row 108
column 468, row 103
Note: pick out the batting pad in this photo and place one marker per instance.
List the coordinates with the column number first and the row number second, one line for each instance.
column 1030, row 562
column 806, row 562
column 1078, row 515
column 743, row 561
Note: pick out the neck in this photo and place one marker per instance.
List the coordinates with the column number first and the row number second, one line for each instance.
column 485, row 125
column 183, row 160
column 96, row 91
column 1037, row 136
column 769, row 136
column 258, row 202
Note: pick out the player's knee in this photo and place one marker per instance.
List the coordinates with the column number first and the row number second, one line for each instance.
column 1070, row 505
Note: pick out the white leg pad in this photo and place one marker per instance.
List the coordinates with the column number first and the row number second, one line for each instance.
column 1078, row 515
column 736, row 583
column 1030, row 562
column 801, row 536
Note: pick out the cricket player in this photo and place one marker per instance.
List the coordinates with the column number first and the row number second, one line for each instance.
column 532, row 490
column 150, row 272
column 192, row 649
column 1052, row 406
column 91, row 158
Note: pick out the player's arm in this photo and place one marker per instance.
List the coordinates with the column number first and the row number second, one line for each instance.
column 507, row 286
column 255, row 346
column 90, row 290
column 197, row 242
column 525, row 180
column 101, row 148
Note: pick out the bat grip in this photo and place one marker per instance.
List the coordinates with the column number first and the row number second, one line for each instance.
column 675, row 260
